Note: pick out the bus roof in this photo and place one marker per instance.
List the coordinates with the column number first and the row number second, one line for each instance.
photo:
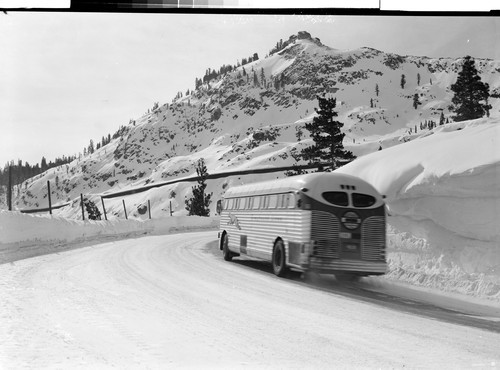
column 296, row 183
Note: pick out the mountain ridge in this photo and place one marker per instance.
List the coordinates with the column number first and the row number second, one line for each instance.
column 254, row 116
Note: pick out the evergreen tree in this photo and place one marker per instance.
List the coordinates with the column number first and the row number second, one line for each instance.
column 43, row 164
column 92, row 210
column 198, row 204
column 327, row 136
column 255, row 79
column 403, row 81
column 471, row 94
column 376, row 89
column 416, row 102
column 418, row 79
column 441, row 119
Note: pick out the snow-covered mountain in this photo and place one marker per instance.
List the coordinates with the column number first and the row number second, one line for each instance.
column 253, row 117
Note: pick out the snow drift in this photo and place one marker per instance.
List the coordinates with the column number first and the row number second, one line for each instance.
column 24, row 235
column 443, row 198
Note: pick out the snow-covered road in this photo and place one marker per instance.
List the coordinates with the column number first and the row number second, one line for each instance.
column 171, row 301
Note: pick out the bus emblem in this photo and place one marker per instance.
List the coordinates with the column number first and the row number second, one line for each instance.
column 233, row 220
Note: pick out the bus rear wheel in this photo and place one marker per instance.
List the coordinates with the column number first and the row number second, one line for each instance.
column 279, row 260
column 226, row 253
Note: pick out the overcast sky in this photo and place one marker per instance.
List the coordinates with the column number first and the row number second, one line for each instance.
column 66, row 78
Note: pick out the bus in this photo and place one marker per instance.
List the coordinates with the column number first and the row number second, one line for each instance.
column 324, row 222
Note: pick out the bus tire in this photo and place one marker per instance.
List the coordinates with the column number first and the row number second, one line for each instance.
column 226, row 253
column 279, row 259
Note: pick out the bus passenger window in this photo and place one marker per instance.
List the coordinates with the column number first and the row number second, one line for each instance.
column 362, row 200
column 286, row 201
column 337, row 198
column 291, row 201
column 282, row 201
column 256, row 202
column 273, row 201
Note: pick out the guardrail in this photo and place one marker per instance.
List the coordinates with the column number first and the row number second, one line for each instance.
column 184, row 179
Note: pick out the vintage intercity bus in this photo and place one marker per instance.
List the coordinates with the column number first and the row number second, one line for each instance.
column 324, row 222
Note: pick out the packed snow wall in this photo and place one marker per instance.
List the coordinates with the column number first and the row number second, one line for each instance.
column 25, row 235
column 443, row 200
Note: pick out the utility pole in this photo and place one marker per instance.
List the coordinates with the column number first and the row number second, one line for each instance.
column 81, row 203
column 9, row 190
column 125, row 209
column 50, row 201
column 104, row 209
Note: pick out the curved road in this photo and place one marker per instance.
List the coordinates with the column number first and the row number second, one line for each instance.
column 171, row 301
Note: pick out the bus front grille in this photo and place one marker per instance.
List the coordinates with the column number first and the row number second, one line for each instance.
column 325, row 232
column 373, row 239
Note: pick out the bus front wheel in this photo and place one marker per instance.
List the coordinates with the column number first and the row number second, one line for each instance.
column 226, row 253
column 279, row 260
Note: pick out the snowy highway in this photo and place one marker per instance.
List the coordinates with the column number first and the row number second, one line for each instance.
column 171, row 301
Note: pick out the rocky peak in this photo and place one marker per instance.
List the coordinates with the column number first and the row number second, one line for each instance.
column 304, row 35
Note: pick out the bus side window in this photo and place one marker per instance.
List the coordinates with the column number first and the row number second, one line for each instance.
column 291, row 201
column 273, row 201
column 255, row 203
column 285, row 201
column 281, row 199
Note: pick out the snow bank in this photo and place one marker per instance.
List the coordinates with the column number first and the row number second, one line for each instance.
column 25, row 235
column 443, row 197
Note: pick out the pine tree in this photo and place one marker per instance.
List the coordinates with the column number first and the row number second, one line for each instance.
column 376, row 89
column 441, row 119
column 198, row 204
column 418, row 79
column 43, row 164
column 255, row 79
column 327, row 136
column 403, row 81
column 92, row 210
column 371, row 103
column 416, row 102
column 471, row 94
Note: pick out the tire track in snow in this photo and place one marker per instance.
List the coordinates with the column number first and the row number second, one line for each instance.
column 167, row 301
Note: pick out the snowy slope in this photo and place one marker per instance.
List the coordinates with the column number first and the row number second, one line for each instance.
column 234, row 123
column 443, row 197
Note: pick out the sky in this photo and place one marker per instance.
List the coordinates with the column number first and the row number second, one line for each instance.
column 66, row 78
